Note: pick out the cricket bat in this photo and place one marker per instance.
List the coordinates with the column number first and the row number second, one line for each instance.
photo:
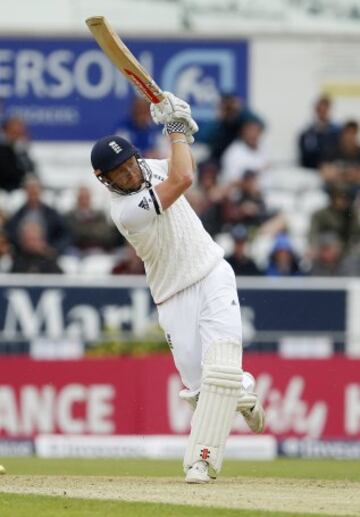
column 123, row 59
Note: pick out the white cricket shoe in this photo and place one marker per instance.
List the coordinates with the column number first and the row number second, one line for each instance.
column 198, row 473
column 250, row 406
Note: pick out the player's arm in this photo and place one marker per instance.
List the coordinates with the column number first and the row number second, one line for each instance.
column 181, row 171
column 175, row 114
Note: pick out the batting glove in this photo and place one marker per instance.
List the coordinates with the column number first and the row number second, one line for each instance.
column 173, row 109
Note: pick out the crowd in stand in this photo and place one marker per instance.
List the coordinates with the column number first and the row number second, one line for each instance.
column 228, row 197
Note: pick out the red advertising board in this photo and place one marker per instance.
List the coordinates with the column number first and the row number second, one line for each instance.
column 303, row 398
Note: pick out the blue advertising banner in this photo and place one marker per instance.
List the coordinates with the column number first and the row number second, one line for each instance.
column 85, row 312
column 67, row 89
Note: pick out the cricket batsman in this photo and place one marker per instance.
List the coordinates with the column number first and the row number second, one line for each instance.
column 192, row 285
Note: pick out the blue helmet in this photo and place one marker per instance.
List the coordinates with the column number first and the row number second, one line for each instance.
column 111, row 151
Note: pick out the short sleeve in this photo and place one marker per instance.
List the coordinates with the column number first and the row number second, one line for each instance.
column 138, row 211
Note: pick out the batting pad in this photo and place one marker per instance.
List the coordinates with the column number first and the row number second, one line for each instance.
column 215, row 410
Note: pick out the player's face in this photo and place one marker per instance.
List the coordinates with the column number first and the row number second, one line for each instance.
column 128, row 176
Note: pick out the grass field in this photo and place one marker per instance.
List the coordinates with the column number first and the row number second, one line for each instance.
column 144, row 488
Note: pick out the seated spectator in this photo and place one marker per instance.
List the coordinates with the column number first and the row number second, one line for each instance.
column 139, row 129
column 53, row 224
column 342, row 161
column 347, row 149
column 15, row 161
column 129, row 263
column 245, row 153
column 206, row 197
column 89, row 228
column 328, row 256
column 239, row 261
column 283, row 260
column 5, row 254
column 246, row 205
column 339, row 218
column 222, row 132
column 319, row 137
column 33, row 254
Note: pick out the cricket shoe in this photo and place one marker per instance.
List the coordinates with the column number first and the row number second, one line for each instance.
column 198, row 473
column 250, row 406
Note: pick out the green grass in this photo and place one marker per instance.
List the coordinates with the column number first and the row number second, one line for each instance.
column 44, row 506
column 346, row 470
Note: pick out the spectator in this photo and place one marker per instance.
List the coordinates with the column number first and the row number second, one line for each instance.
column 206, row 197
column 328, row 256
column 3, row 219
column 5, row 254
column 319, row 137
column 351, row 263
column 54, row 226
column 245, row 153
column 283, row 260
column 339, row 218
column 34, row 255
column 15, row 161
column 246, row 205
column 223, row 131
column 342, row 161
column 129, row 263
column 140, row 129
column 239, row 261
column 89, row 228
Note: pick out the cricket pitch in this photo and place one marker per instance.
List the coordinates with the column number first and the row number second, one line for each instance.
column 272, row 494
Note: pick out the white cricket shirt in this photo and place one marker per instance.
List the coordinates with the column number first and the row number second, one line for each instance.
column 176, row 249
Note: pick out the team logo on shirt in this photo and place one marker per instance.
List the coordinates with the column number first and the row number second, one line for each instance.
column 144, row 204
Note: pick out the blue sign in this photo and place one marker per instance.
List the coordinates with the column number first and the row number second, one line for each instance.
column 67, row 89
column 58, row 312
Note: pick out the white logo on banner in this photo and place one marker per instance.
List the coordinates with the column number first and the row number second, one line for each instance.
column 188, row 75
column 286, row 411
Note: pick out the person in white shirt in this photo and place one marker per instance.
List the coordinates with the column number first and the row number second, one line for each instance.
column 193, row 286
column 244, row 153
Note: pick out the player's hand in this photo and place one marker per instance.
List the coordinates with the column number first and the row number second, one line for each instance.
column 170, row 109
column 173, row 109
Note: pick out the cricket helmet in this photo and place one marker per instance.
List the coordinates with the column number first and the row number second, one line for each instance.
column 110, row 152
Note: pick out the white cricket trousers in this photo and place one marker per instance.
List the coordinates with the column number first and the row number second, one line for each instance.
column 198, row 316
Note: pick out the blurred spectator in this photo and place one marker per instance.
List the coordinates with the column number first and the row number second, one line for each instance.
column 3, row 219
column 339, row 218
column 342, row 161
column 239, row 261
column 320, row 137
column 328, row 256
column 246, row 205
column 140, row 129
column 206, row 197
column 89, row 228
column 232, row 114
column 347, row 149
column 283, row 260
column 35, row 210
column 351, row 263
column 34, row 255
column 246, row 152
column 129, row 263
column 15, row 161
column 5, row 254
